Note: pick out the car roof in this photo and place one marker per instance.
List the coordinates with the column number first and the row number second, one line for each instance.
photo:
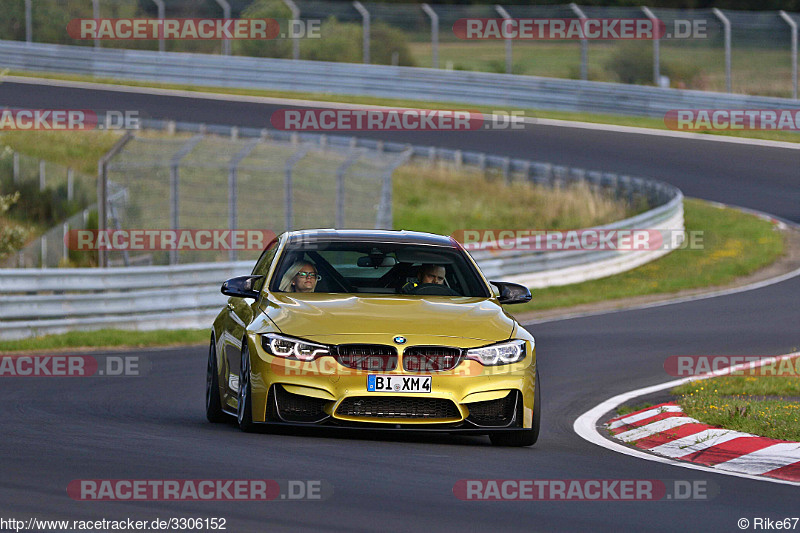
column 366, row 235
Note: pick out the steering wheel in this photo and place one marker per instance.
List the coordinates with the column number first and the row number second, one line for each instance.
column 433, row 289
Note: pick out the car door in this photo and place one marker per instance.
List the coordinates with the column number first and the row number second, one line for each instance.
column 240, row 313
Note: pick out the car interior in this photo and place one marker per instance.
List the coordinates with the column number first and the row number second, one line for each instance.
column 376, row 270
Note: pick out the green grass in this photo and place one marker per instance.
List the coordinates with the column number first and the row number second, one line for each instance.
column 623, row 410
column 759, row 71
column 79, row 150
column 108, row 338
column 742, row 403
column 735, row 244
column 597, row 118
column 468, row 200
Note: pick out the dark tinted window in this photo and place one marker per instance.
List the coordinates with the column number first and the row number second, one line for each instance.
column 378, row 268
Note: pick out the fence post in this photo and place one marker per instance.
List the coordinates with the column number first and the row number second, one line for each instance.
column 161, row 14
column 233, row 190
column 65, row 248
column 340, row 172
column 28, row 22
column 70, row 185
column 503, row 13
column 726, row 24
column 43, row 249
column 287, row 185
column 15, row 165
column 793, row 25
column 96, row 15
column 42, row 175
column 384, row 217
column 365, row 16
column 226, row 13
column 584, row 43
column 434, row 34
column 174, row 181
column 656, row 46
column 295, row 40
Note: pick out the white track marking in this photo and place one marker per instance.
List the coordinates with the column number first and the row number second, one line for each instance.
column 644, row 415
column 697, row 442
column 586, row 425
column 764, row 460
column 654, row 428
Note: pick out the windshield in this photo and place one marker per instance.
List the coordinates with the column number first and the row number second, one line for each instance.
column 378, row 268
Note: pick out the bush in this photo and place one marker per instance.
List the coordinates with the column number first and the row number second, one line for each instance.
column 339, row 41
column 12, row 236
column 633, row 63
column 384, row 41
column 266, row 9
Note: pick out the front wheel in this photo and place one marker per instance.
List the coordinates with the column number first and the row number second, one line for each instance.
column 525, row 437
column 213, row 404
column 244, row 407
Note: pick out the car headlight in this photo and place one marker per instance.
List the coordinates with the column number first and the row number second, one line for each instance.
column 498, row 354
column 290, row 348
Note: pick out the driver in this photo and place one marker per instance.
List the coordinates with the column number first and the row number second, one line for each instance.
column 426, row 274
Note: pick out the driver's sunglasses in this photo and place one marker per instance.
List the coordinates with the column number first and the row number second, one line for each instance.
column 304, row 275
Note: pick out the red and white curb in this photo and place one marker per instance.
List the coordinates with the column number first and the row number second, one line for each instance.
column 666, row 430
column 708, row 450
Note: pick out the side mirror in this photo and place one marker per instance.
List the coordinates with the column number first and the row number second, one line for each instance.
column 241, row 287
column 512, row 293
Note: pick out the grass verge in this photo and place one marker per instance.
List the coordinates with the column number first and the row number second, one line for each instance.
column 597, row 118
column 108, row 338
column 467, row 199
column 751, row 404
column 734, row 244
column 79, row 150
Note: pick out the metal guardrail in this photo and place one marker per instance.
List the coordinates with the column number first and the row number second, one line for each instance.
column 477, row 88
column 49, row 301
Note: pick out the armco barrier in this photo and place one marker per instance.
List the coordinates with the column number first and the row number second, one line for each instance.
column 477, row 88
column 48, row 301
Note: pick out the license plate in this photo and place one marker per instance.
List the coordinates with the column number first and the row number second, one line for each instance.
column 384, row 383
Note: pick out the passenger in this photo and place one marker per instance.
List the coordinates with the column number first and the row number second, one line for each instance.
column 300, row 277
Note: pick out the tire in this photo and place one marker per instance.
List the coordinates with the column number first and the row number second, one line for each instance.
column 526, row 437
column 213, row 403
column 244, row 407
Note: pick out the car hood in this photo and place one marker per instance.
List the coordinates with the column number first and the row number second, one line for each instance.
column 322, row 315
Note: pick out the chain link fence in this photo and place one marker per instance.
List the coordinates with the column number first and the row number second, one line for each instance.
column 48, row 192
column 705, row 49
column 208, row 181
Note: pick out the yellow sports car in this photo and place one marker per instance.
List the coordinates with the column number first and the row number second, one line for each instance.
column 373, row 329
